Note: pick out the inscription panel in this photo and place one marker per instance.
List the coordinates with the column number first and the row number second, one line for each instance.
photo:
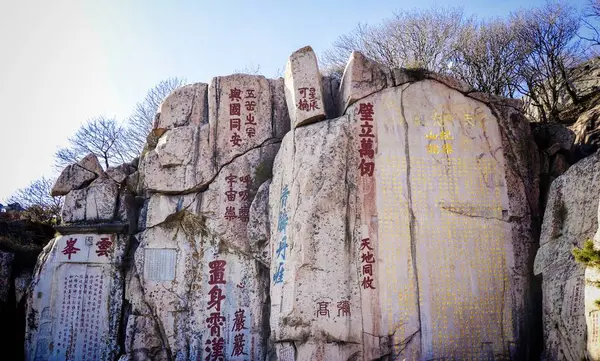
column 159, row 264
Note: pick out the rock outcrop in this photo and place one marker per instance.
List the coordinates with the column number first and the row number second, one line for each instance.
column 570, row 218
column 392, row 215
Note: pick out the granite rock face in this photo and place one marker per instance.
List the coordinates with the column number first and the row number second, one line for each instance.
column 367, row 208
column 571, row 217
column 394, row 220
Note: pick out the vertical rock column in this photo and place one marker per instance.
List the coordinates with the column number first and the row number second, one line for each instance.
column 197, row 290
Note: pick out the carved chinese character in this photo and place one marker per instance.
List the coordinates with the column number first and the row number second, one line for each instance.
column 433, row 148
column 250, row 93
column 282, row 222
column 250, row 132
column 103, row 247
column 231, row 195
column 238, row 345
column 278, row 276
column 343, row 308
column 447, row 148
column 247, row 180
column 303, row 105
column 366, row 130
column 234, row 109
column 239, row 322
column 322, row 308
column 282, row 247
column 368, row 257
column 366, row 168
column 431, row 136
column 244, row 195
column 244, row 214
column 302, row 92
column 367, row 269
column 217, row 272
column 216, row 297
column 367, row 282
column 236, row 140
column 446, row 135
column 365, row 110
column 235, row 94
column 234, row 124
column 230, row 213
column 214, row 323
column 365, row 244
column 250, row 119
column 366, row 148
column 312, row 93
column 284, row 196
column 70, row 248
column 216, row 349
column 250, row 105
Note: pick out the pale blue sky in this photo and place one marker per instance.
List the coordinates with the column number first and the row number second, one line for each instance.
column 64, row 61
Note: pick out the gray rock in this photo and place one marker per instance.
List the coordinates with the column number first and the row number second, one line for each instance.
column 358, row 238
column 570, row 219
column 185, row 106
column 71, row 178
column 98, row 202
column 362, row 77
column 304, row 88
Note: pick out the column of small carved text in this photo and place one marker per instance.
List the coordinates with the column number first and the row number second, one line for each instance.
column 244, row 195
column 215, row 345
column 235, row 113
column 239, row 339
column 282, row 222
column 367, row 261
column 366, row 150
column 309, row 104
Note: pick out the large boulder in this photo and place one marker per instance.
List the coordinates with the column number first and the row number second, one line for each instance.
column 77, row 175
column 405, row 228
column 571, row 217
column 74, row 307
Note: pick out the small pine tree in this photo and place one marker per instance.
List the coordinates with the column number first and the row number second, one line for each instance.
column 587, row 255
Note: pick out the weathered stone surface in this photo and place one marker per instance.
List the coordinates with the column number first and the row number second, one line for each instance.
column 281, row 117
column 592, row 312
column 240, row 112
column 22, row 281
column 587, row 128
column 185, row 238
column 98, row 202
column 116, row 174
column 259, row 232
column 182, row 161
column 72, row 177
column 304, row 88
column 570, row 219
column 91, row 163
column 358, row 237
column 6, row 262
column 330, row 94
column 185, row 106
column 77, row 294
column 548, row 134
column 362, row 77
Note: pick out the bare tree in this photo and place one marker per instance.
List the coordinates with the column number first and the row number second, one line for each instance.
column 489, row 57
column 410, row 39
column 548, row 35
column 592, row 15
column 139, row 123
column 39, row 205
column 102, row 136
column 252, row 69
